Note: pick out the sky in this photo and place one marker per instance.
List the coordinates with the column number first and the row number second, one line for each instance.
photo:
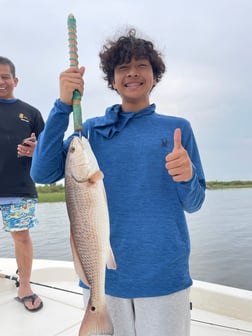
column 206, row 45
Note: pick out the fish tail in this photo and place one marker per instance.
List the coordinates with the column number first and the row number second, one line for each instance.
column 96, row 322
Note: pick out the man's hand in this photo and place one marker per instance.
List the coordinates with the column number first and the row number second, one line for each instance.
column 27, row 147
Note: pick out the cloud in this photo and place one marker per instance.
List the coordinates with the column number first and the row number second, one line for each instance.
column 207, row 46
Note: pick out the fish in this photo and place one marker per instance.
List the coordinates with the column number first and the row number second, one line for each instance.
column 88, row 214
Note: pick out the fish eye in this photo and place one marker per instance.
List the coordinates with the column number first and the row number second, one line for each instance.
column 72, row 149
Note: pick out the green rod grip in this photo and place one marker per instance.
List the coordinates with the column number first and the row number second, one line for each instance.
column 77, row 115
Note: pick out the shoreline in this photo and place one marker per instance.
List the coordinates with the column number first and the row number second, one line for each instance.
column 56, row 193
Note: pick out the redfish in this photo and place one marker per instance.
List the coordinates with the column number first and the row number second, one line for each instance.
column 89, row 226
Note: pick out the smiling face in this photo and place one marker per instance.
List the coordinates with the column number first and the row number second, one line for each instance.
column 7, row 82
column 134, row 82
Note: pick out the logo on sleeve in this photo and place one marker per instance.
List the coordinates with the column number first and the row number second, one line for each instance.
column 164, row 142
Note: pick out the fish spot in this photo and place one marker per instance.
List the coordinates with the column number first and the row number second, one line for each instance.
column 93, row 308
column 72, row 149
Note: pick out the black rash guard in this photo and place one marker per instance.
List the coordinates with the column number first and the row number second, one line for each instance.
column 17, row 121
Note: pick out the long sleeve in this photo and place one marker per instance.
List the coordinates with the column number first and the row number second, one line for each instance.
column 192, row 193
column 48, row 162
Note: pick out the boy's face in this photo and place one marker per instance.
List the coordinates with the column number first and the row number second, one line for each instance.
column 134, row 81
column 7, row 82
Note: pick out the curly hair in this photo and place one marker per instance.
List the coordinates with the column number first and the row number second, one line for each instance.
column 123, row 50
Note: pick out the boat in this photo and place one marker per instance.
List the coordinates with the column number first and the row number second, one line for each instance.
column 217, row 310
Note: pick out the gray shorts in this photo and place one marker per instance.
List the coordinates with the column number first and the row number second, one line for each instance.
column 167, row 315
column 19, row 216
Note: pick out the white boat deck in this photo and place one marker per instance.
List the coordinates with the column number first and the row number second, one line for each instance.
column 217, row 310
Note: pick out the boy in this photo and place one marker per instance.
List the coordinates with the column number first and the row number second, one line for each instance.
column 152, row 174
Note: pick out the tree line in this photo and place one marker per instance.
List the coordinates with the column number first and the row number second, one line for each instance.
column 57, row 188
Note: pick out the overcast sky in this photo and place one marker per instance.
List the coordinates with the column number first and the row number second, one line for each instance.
column 207, row 47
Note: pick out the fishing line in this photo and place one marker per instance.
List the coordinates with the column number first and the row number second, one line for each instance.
column 222, row 326
column 16, row 279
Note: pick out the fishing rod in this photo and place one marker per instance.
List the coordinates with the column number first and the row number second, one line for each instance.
column 16, row 279
column 73, row 58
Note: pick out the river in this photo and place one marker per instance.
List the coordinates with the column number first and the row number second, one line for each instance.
column 221, row 237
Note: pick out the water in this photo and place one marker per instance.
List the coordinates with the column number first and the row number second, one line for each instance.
column 221, row 237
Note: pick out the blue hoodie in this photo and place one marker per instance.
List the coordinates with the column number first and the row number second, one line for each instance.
column 148, row 229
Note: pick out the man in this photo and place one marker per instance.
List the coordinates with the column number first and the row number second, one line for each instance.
column 20, row 124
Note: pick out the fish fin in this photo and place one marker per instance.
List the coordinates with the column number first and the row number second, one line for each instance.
column 96, row 321
column 111, row 263
column 98, row 175
column 77, row 264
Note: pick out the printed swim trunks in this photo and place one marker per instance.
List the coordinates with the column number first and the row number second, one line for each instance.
column 19, row 216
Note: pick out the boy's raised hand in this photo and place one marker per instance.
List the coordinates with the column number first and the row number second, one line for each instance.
column 178, row 162
column 70, row 80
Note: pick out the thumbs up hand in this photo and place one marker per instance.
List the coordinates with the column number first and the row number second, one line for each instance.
column 178, row 162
